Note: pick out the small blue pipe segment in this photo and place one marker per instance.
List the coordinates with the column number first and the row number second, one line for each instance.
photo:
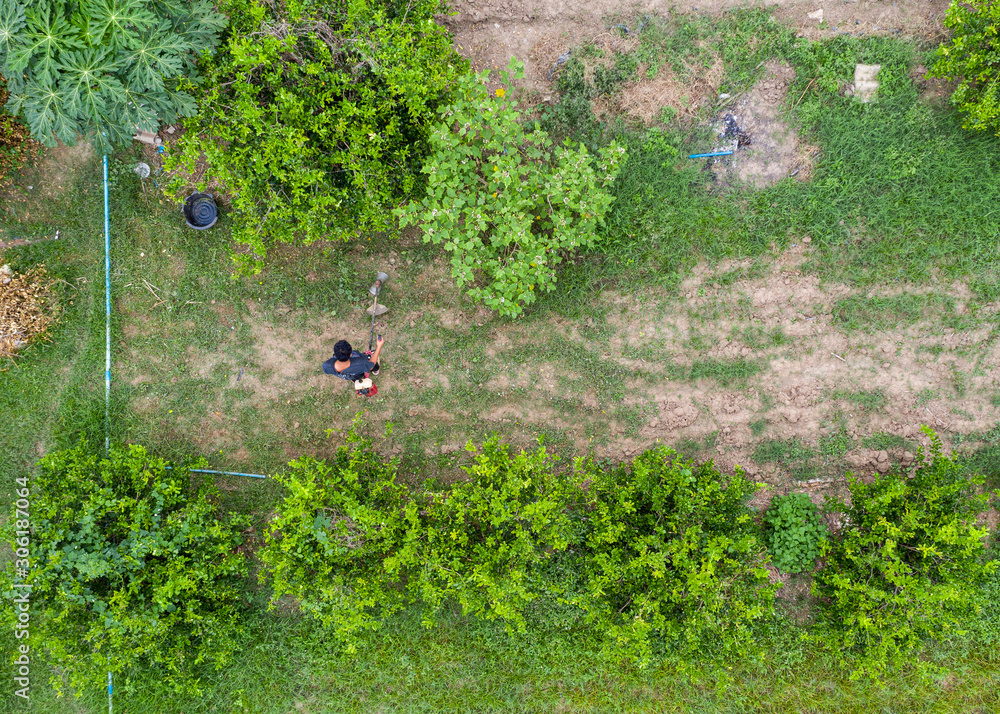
column 713, row 153
column 223, row 473
column 226, row 473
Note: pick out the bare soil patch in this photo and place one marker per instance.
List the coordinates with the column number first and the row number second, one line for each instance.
column 772, row 150
column 490, row 32
column 48, row 179
column 646, row 98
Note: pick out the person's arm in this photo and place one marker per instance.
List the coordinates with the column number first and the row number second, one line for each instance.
column 378, row 349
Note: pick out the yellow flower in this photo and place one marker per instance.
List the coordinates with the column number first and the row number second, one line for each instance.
column 501, row 92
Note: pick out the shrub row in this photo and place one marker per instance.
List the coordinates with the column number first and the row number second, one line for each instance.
column 660, row 559
column 658, row 556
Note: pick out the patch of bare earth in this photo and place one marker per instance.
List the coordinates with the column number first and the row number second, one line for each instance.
column 47, row 180
column 490, row 32
column 647, row 97
column 288, row 360
column 766, row 149
column 914, row 366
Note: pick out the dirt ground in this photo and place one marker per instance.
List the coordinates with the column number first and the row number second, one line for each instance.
column 490, row 32
column 46, row 180
column 819, row 381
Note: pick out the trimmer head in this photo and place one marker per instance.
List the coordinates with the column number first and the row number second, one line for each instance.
column 380, row 280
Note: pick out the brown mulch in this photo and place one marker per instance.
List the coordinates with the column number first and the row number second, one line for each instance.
column 26, row 309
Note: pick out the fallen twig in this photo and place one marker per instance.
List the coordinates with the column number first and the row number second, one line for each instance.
column 804, row 92
column 839, row 357
column 153, row 292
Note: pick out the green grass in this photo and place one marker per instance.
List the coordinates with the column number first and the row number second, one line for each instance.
column 781, row 450
column 900, row 188
column 466, row 665
column 54, row 392
column 884, row 441
column 724, row 371
column 835, row 445
column 877, row 314
column 986, row 461
column 870, row 400
column 927, row 395
column 758, row 338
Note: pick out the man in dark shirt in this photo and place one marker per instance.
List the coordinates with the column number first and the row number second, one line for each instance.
column 350, row 364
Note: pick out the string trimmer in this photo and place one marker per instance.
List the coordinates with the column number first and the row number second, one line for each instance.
column 375, row 310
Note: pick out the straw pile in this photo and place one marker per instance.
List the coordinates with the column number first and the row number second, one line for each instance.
column 25, row 308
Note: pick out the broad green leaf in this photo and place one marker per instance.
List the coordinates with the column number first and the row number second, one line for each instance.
column 117, row 23
column 155, row 56
column 45, row 36
column 45, row 109
column 11, row 22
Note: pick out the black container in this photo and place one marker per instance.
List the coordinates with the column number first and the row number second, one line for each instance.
column 200, row 211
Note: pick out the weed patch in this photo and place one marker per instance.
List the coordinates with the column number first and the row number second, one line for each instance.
column 874, row 314
column 779, row 450
column 870, row 400
column 724, row 371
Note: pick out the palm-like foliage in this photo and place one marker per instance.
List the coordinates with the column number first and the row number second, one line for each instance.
column 103, row 68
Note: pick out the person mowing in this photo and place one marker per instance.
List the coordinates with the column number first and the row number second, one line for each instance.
column 349, row 364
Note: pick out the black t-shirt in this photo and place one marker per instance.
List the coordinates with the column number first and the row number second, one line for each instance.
column 359, row 365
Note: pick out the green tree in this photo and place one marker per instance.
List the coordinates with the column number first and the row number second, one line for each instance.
column 127, row 568
column 353, row 546
column 906, row 566
column 315, row 115
column 103, row 68
column 674, row 559
column 502, row 202
column 973, row 58
column 327, row 543
column 480, row 542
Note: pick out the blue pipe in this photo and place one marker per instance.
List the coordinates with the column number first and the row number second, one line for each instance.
column 226, row 473
column 107, row 312
column 713, row 153
column 223, row 473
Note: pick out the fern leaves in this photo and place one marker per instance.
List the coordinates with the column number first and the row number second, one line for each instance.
column 103, row 67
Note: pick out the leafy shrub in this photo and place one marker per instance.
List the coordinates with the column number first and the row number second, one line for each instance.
column 479, row 542
column 326, row 545
column 793, row 532
column 103, row 67
column 354, row 546
column 973, row 58
column 907, row 564
column 128, row 568
column 502, row 202
column 315, row 115
column 673, row 559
